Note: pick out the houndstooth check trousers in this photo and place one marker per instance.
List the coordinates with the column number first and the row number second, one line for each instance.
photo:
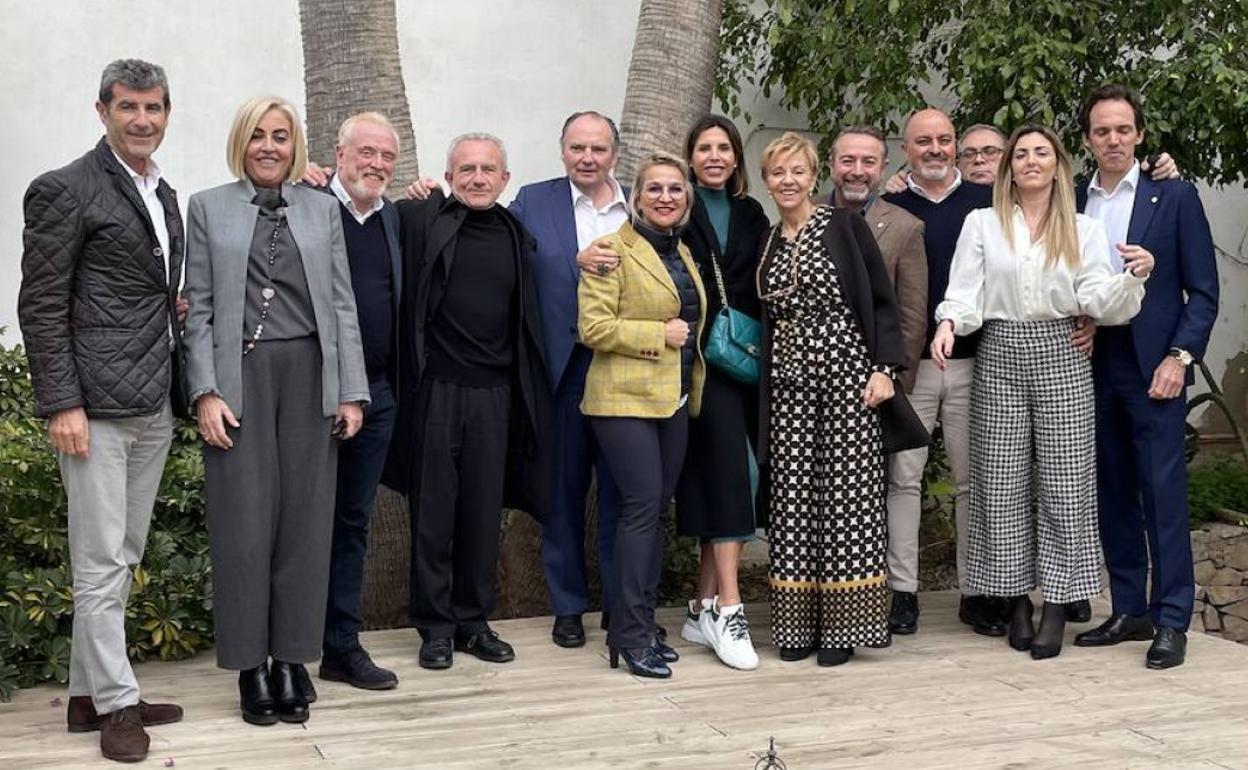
column 1033, row 464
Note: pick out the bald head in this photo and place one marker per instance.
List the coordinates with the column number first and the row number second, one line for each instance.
column 930, row 144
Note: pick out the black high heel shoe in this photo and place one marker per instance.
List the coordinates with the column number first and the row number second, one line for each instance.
column 291, row 705
column 1022, row 629
column 1048, row 641
column 664, row 651
column 255, row 700
column 643, row 662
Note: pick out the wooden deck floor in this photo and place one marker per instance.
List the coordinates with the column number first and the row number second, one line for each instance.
column 942, row 698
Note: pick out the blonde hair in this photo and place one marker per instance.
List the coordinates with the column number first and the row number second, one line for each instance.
column 244, row 125
column 790, row 142
column 1057, row 229
column 376, row 118
column 661, row 159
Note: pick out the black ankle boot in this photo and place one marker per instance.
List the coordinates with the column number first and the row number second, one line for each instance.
column 1022, row 629
column 1048, row 641
column 291, row 705
column 254, row 698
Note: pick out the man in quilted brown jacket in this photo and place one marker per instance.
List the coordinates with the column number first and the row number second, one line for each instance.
column 102, row 253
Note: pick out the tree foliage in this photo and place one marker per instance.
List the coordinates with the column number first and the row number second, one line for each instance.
column 1004, row 63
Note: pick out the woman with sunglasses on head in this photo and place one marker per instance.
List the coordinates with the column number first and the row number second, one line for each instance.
column 643, row 321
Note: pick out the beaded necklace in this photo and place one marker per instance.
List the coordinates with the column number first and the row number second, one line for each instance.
column 268, row 292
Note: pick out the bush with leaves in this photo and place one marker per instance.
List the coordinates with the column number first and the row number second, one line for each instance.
column 169, row 614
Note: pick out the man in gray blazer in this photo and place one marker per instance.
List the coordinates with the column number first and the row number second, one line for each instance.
column 100, row 264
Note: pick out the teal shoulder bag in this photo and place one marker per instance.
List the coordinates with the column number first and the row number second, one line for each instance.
column 734, row 344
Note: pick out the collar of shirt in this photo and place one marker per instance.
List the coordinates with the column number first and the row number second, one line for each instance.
column 922, row 193
column 618, row 200
column 1128, row 182
column 145, row 182
column 335, row 185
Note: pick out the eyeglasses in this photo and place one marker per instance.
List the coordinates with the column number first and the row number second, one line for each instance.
column 989, row 153
column 655, row 191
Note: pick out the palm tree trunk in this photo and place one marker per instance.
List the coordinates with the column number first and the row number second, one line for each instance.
column 351, row 64
column 671, row 78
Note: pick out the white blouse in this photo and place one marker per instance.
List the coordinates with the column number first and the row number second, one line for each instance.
column 993, row 279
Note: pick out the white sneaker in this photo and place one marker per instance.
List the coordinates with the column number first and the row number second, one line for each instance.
column 728, row 633
column 691, row 631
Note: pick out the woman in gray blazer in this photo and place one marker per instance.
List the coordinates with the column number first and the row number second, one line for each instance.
column 275, row 369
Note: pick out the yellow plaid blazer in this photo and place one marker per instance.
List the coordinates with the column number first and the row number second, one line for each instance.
column 621, row 316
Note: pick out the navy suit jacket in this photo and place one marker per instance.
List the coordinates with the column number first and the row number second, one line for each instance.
column 545, row 210
column 1169, row 220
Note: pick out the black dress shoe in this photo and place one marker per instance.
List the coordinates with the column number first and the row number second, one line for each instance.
column 643, row 662
column 436, row 653
column 1169, row 649
column 903, row 618
column 568, row 631
column 254, row 698
column 1022, row 628
column 1048, row 640
column 791, row 654
column 986, row 615
column 357, row 669
column 668, row 654
column 834, row 656
column 486, row 646
column 1117, row 628
column 1079, row 612
column 303, row 680
column 291, row 705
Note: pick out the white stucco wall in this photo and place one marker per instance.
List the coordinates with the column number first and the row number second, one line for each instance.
column 516, row 68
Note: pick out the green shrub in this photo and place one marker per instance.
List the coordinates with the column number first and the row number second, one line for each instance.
column 1220, row 482
column 169, row 614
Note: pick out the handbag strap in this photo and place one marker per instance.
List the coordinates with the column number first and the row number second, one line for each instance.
column 719, row 280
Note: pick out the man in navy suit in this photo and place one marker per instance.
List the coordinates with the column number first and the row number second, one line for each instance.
column 367, row 149
column 1141, row 371
column 565, row 215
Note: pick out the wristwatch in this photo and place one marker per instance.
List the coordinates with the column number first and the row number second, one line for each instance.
column 1181, row 355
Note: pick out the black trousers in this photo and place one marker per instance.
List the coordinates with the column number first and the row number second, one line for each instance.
column 457, row 507
column 645, row 457
column 360, row 461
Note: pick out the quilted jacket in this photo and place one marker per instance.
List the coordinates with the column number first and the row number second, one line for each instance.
column 97, row 293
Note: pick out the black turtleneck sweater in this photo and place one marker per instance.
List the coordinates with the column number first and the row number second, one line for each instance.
column 471, row 334
column 666, row 247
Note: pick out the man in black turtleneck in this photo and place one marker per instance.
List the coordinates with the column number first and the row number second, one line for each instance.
column 473, row 398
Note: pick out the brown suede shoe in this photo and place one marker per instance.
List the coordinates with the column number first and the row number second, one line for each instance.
column 122, row 737
column 81, row 716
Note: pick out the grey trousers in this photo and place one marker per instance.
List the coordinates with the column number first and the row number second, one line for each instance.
column 270, row 511
column 111, row 492
column 945, row 394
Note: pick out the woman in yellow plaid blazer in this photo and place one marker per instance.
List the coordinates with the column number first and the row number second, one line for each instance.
column 643, row 321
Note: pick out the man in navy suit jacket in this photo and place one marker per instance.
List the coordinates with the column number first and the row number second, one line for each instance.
column 565, row 215
column 1141, row 372
column 368, row 147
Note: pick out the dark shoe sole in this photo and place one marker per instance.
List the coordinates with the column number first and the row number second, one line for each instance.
column 903, row 630
column 124, row 757
column 1159, row 665
column 485, row 657
column 436, row 665
column 796, row 655
column 1043, row 653
column 568, row 642
column 294, row 719
column 330, row 675
column 260, row 720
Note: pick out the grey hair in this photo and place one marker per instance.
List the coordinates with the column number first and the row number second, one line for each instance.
column 135, row 74
column 476, row 136
column 376, row 118
column 984, row 127
column 615, row 132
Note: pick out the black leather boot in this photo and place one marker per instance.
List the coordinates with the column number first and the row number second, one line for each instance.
column 254, row 698
column 1048, row 641
column 291, row 705
column 1022, row 628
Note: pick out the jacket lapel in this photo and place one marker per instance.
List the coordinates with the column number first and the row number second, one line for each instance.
column 390, row 226
column 1147, row 196
column 565, row 223
column 644, row 254
column 879, row 218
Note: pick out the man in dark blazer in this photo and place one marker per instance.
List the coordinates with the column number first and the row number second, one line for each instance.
column 565, row 215
column 367, row 149
column 101, row 263
column 1141, row 371
column 473, row 425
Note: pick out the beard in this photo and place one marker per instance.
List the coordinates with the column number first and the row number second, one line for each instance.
column 930, row 171
column 856, row 194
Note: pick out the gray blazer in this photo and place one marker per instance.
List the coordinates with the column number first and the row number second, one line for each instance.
column 220, row 224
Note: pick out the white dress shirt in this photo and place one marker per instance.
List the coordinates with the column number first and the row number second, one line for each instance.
column 147, row 184
column 1114, row 208
column 335, row 185
column 592, row 222
column 993, row 279
column 918, row 190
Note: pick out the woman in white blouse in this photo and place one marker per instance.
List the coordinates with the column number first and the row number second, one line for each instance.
column 1023, row 270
